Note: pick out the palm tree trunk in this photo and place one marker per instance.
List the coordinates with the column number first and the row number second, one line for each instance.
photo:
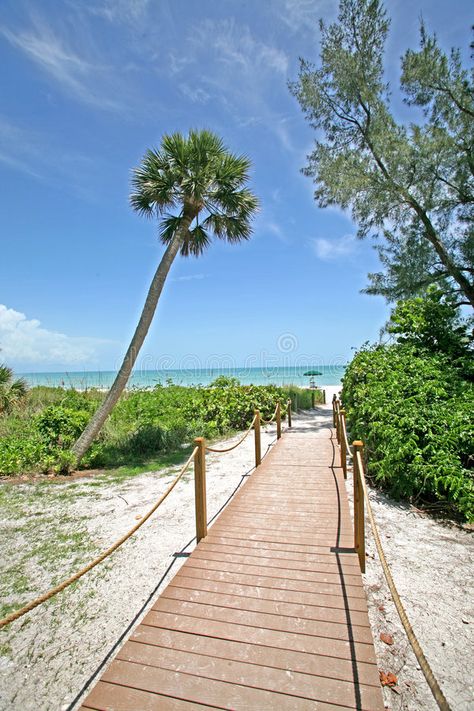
column 93, row 428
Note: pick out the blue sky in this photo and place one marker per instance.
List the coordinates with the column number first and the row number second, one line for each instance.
column 86, row 87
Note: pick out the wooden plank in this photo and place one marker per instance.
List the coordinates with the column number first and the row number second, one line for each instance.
column 261, row 620
column 333, row 583
column 288, row 548
column 187, row 687
column 269, row 610
column 304, row 662
column 313, row 598
column 295, row 641
column 274, row 587
column 255, row 551
column 233, row 555
column 106, row 696
column 259, row 604
column 261, row 677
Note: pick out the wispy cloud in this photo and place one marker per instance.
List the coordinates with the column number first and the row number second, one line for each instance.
column 195, row 94
column 237, row 47
column 244, row 74
column 85, row 78
column 24, row 341
column 38, row 156
column 190, row 277
column 121, row 11
column 333, row 249
column 303, row 15
column 275, row 229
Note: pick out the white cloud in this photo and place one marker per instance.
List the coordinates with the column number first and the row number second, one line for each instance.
column 190, row 277
column 24, row 341
column 195, row 94
column 238, row 48
column 244, row 74
column 122, row 11
column 275, row 229
column 332, row 249
column 303, row 15
column 83, row 77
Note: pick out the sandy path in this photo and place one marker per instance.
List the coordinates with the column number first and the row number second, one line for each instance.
column 54, row 652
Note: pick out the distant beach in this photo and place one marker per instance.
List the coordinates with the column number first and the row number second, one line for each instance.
column 290, row 375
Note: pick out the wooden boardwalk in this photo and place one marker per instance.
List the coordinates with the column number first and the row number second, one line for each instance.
column 268, row 612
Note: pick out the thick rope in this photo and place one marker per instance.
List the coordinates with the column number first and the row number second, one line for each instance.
column 344, row 431
column 54, row 591
column 422, row 661
column 229, row 449
column 269, row 422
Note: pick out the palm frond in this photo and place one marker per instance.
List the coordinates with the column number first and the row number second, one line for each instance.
column 11, row 391
column 154, row 185
column 19, row 388
column 169, row 226
column 195, row 242
column 6, row 374
column 228, row 227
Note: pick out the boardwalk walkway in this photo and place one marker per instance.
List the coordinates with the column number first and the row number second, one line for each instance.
column 268, row 612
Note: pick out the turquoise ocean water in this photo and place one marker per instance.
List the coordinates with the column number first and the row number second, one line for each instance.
column 294, row 375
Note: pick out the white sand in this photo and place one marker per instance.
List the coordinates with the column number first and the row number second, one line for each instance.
column 58, row 646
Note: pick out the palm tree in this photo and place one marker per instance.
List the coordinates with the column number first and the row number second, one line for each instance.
column 11, row 391
column 205, row 186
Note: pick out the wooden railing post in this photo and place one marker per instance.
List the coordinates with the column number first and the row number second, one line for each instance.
column 312, row 399
column 278, row 419
column 342, row 415
column 289, row 412
column 258, row 449
column 324, row 395
column 338, row 423
column 334, row 398
column 359, row 519
column 200, row 488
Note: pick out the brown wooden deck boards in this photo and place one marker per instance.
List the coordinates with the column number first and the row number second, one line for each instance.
column 268, row 612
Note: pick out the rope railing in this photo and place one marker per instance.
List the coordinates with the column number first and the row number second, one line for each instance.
column 272, row 418
column 234, row 446
column 198, row 455
column 73, row 578
column 361, row 495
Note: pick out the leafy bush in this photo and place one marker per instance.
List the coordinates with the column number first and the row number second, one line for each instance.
column 413, row 410
column 60, row 426
column 143, row 423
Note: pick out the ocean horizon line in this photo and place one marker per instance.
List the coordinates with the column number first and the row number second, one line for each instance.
column 256, row 375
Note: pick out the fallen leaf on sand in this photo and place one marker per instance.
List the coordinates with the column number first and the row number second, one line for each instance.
column 137, row 518
column 387, row 638
column 387, row 679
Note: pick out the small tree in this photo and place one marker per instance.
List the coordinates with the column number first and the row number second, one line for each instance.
column 205, row 186
column 413, row 184
column 12, row 391
column 432, row 323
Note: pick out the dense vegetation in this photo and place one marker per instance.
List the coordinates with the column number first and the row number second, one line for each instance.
column 410, row 185
column 412, row 403
column 38, row 436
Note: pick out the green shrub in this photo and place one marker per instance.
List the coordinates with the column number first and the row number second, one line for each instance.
column 414, row 411
column 20, row 455
column 60, row 426
column 143, row 424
